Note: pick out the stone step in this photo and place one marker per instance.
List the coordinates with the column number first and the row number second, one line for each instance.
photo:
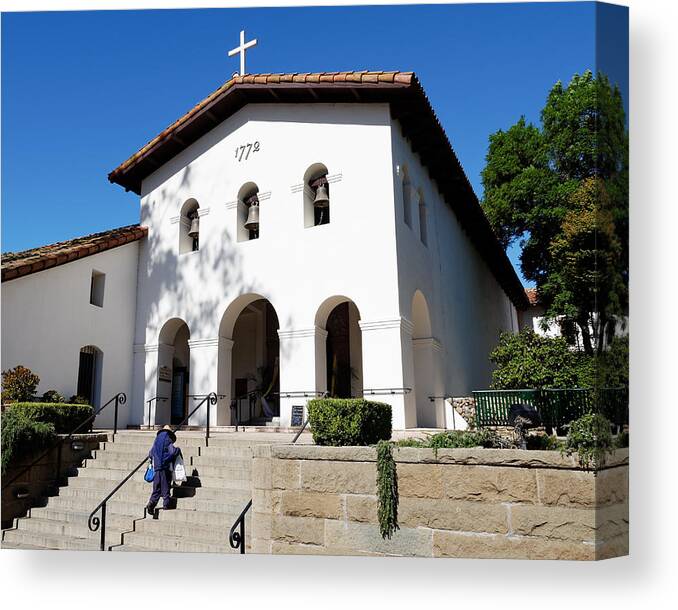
column 48, row 527
column 140, row 450
column 141, row 489
column 183, row 515
column 24, row 538
column 113, row 519
column 87, row 504
column 189, row 531
column 223, row 461
column 230, row 502
column 227, row 452
column 215, row 478
column 151, row 542
column 205, row 473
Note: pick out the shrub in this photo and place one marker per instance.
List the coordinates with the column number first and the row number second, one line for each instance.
column 612, row 365
column 349, row 421
column 77, row 400
column 528, row 360
column 19, row 384
column 590, row 437
column 53, row 396
column 23, row 435
column 543, row 442
column 63, row 417
column 453, row 439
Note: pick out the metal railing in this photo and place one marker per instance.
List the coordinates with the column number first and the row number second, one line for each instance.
column 385, row 391
column 150, row 402
column 119, row 399
column 236, row 407
column 557, row 407
column 95, row 523
column 236, row 536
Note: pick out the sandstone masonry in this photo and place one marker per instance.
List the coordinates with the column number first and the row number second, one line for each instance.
column 456, row 503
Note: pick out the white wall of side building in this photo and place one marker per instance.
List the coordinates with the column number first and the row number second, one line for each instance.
column 364, row 254
column 47, row 318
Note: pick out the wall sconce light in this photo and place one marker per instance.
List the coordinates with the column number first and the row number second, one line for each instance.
column 21, row 493
column 77, row 445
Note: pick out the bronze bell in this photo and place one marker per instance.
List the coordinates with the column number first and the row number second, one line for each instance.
column 322, row 199
column 252, row 222
column 194, row 230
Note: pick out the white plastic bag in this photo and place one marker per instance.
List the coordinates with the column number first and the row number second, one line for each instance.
column 179, row 470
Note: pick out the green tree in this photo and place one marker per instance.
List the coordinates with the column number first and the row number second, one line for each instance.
column 527, row 360
column 19, row 384
column 561, row 193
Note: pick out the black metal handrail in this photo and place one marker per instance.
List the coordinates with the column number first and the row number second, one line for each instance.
column 236, row 536
column 95, row 523
column 119, row 399
column 385, row 391
column 235, row 405
column 149, row 402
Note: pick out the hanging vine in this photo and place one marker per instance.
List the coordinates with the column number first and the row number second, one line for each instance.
column 387, row 490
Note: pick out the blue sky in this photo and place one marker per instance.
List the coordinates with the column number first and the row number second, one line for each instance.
column 81, row 91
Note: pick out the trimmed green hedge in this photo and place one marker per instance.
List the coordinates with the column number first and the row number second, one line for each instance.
column 22, row 435
column 63, row 416
column 349, row 421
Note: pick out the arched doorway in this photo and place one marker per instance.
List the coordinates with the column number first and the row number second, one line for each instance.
column 90, row 367
column 251, row 323
column 424, row 348
column 343, row 365
column 174, row 362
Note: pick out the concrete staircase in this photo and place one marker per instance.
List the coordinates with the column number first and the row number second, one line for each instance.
column 208, row 503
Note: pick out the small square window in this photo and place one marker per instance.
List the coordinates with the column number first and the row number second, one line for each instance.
column 96, row 293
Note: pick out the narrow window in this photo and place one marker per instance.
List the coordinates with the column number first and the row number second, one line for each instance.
column 316, row 196
column 407, row 198
column 96, row 291
column 423, row 229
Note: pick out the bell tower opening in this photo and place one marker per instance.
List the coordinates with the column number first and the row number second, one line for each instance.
column 316, row 196
column 189, row 227
column 248, row 212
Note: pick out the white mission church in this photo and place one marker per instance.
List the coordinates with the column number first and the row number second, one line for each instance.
column 299, row 234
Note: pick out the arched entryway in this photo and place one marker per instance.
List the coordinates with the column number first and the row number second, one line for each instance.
column 251, row 326
column 343, row 365
column 174, row 363
column 425, row 349
column 90, row 367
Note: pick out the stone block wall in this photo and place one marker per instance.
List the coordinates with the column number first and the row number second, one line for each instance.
column 41, row 479
column 483, row 503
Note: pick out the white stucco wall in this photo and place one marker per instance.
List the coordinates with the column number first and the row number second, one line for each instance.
column 47, row 317
column 468, row 309
column 296, row 268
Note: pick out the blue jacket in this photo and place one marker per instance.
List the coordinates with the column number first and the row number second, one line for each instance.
column 163, row 452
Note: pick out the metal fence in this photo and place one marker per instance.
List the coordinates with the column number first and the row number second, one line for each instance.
column 557, row 407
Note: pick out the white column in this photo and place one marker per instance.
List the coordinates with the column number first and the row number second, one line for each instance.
column 224, row 381
column 302, row 367
column 203, row 378
column 388, row 363
column 156, row 356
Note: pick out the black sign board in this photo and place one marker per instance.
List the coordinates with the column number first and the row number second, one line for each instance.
column 297, row 415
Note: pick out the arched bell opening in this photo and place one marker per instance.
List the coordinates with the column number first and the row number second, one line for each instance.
column 251, row 326
column 343, row 365
column 248, row 212
column 90, row 370
column 316, row 196
column 189, row 227
column 174, row 362
column 407, row 196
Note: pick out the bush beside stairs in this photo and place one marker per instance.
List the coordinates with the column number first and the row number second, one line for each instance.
column 207, row 504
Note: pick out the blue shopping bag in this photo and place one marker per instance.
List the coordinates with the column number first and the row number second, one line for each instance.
column 150, row 473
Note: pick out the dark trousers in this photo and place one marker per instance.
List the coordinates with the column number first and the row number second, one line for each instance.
column 162, row 481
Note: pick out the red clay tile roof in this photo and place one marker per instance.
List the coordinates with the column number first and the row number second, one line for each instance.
column 19, row 264
column 532, row 296
column 408, row 104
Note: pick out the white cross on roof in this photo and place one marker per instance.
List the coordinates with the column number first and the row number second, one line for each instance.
column 241, row 49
